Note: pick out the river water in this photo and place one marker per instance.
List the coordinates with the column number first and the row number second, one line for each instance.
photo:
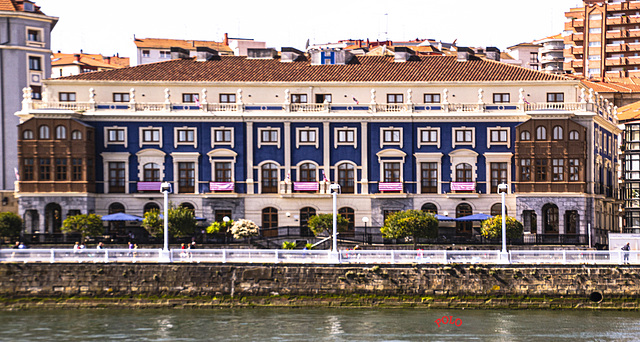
column 317, row 324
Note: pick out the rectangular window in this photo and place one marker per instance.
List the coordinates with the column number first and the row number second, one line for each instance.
column 116, row 177
column 558, row 170
column 186, row 135
column 120, row 97
column 431, row 98
column 145, row 53
column 595, row 44
column 223, row 135
column 595, row 71
column 36, row 92
column 76, row 171
column 392, row 136
column 533, row 57
column 27, row 169
column 429, row 183
column 501, row 98
column 574, row 170
column 594, row 57
column 269, row 136
column 499, row 136
column 45, row 169
column 346, row 136
column 165, row 54
column 33, row 35
column 307, row 135
column 525, row 170
column 555, row 97
column 322, row 98
column 429, row 136
column 595, row 30
column 189, row 98
column 464, row 136
column 391, row 172
column 395, row 98
column 186, row 177
column 61, row 169
column 35, row 63
column 115, row 135
column 298, row 98
column 227, row 98
column 541, row 170
column 67, row 97
column 498, row 175
column 150, row 135
column 223, row 171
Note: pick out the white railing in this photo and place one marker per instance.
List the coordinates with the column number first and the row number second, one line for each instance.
column 465, row 107
column 318, row 256
column 222, row 107
column 150, row 107
column 568, row 106
column 77, row 106
column 309, row 107
column 393, row 107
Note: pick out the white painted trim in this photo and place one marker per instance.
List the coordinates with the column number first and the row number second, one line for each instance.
column 434, row 157
column 336, row 132
column 391, row 128
column 315, row 143
column 185, row 157
column 150, row 155
column 106, row 136
column 269, row 128
column 355, row 173
column 152, row 143
column 176, row 131
column 464, row 156
column 259, row 167
column 108, row 157
column 297, row 168
column 498, row 157
column 215, row 143
column 428, row 128
column 395, row 157
column 490, row 130
column 454, row 130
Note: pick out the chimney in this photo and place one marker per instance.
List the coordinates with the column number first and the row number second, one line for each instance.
column 464, row 54
column 204, row 53
column 107, row 60
column 290, row 54
column 493, row 53
column 226, row 39
column 179, row 53
column 402, row 54
column 77, row 57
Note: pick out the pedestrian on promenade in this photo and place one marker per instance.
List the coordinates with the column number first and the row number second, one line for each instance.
column 626, row 248
column 100, row 245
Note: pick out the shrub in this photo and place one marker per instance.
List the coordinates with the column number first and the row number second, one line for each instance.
column 492, row 228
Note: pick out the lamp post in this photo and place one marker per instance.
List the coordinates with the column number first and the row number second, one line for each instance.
column 165, row 187
column 335, row 188
column 504, row 256
column 365, row 220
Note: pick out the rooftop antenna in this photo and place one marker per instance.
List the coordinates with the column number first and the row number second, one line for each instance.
column 386, row 30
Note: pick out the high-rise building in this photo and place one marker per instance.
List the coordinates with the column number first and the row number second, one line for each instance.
column 25, row 60
column 602, row 39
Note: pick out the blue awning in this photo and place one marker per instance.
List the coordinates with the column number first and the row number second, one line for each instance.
column 474, row 217
column 121, row 217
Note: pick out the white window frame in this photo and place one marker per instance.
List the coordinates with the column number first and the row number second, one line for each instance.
column 185, row 157
column 337, row 142
column 435, row 157
column 393, row 143
column 490, row 131
column 259, row 168
column 454, row 132
column 497, row 157
column 318, row 170
column 356, row 168
column 222, row 155
column 391, row 155
column 153, row 143
column 37, row 43
column 316, row 130
column 269, row 143
column 215, row 143
column 176, row 131
column 150, row 155
column 464, row 156
column 106, row 136
column 114, row 157
column 428, row 128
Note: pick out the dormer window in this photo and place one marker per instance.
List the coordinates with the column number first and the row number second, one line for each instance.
column 28, row 6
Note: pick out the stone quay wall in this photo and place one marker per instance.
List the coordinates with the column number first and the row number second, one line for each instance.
column 581, row 283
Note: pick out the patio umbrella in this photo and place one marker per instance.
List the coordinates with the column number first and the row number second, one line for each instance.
column 444, row 218
column 474, row 217
column 121, row 217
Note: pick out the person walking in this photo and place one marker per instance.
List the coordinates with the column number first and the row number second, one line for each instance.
column 626, row 248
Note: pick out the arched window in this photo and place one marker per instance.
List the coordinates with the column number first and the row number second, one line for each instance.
column 346, row 178
column 305, row 215
column 115, row 208
column 61, row 132
column 430, row 208
column 463, row 173
column 44, row 132
column 525, row 136
column 150, row 206
column 270, row 220
column 269, row 178
column 307, row 173
column 463, row 227
column 541, row 133
column 571, row 222
column 550, row 218
column 116, row 227
column 574, row 135
column 496, row 209
column 76, row 135
column 189, row 207
column 151, row 172
column 52, row 218
column 350, row 215
column 27, row 134
column 557, row 133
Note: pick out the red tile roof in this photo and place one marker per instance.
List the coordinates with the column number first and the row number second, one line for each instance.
column 161, row 43
column 629, row 112
column 361, row 69
column 7, row 5
column 626, row 85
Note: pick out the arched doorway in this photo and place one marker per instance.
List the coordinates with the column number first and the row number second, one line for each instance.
column 496, row 209
column 116, row 227
column 430, row 208
column 269, row 178
column 269, row 222
column 346, row 178
column 52, row 218
column 305, row 215
column 150, row 206
column 350, row 215
column 31, row 221
column 550, row 220
column 464, row 228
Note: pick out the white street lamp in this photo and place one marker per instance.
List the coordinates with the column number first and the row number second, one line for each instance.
column 502, row 189
column 335, row 188
column 165, row 188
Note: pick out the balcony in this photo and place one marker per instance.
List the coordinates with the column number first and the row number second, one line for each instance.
column 616, row 61
column 617, row 20
column 390, row 186
column 149, row 186
column 615, row 74
column 634, row 33
column 634, row 60
column 617, row 47
column 221, row 186
column 616, row 34
column 577, row 63
column 573, row 24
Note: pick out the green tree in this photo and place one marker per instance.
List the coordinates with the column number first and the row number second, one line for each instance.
column 219, row 227
column 86, row 225
column 10, row 225
column 410, row 223
column 324, row 223
column 492, row 228
column 182, row 222
column 244, row 229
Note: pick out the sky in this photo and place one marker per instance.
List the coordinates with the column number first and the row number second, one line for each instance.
column 108, row 27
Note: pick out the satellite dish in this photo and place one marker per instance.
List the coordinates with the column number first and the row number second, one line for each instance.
column 306, row 47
